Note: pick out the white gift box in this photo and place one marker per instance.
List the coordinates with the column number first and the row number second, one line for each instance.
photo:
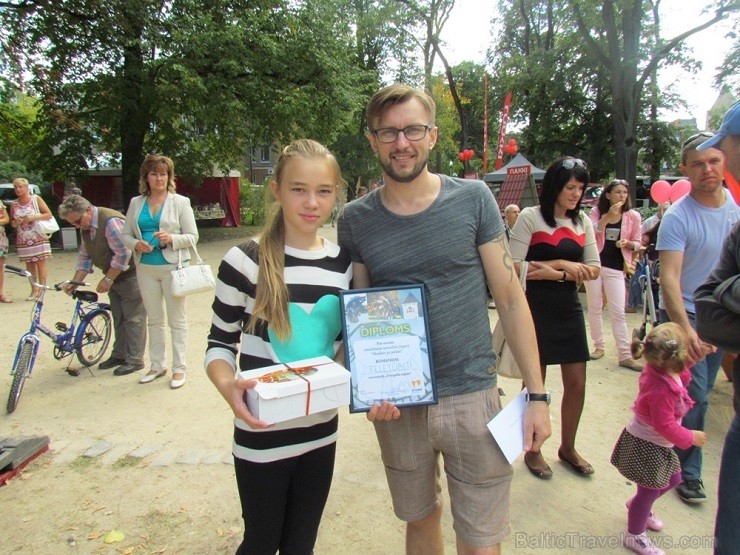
column 300, row 388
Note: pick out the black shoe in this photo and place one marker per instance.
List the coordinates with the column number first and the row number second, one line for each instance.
column 127, row 369
column 112, row 362
column 692, row 492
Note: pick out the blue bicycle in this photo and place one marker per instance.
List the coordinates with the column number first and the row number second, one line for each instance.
column 87, row 336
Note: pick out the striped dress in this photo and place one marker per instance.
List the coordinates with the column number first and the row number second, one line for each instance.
column 314, row 279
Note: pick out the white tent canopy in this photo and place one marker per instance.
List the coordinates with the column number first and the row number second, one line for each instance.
column 519, row 160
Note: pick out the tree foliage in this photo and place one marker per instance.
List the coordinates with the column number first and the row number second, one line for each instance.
column 557, row 97
column 199, row 81
column 617, row 34
column 583, row 75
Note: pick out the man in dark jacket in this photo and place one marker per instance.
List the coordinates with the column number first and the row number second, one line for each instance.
column 102, row 247
column 718, row 322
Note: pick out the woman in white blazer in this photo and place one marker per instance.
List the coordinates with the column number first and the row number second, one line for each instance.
column 159, row 224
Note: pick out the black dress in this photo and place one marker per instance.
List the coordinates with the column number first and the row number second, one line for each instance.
column 556, row 308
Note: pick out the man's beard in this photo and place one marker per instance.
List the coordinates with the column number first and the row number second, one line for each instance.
column 403, row 178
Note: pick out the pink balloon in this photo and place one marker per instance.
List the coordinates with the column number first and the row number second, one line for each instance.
column 679, row 189
column 660, row 191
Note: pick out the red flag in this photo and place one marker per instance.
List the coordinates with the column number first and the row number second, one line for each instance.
column 485, row 123
column 502, row 131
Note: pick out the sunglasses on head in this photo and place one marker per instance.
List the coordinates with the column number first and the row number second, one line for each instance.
column 570, row 163
column 616, row 182
column 702, row 135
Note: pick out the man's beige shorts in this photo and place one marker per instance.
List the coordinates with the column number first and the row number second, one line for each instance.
column 478, row 474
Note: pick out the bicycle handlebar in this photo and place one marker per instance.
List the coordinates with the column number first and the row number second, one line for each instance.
column 57, row 286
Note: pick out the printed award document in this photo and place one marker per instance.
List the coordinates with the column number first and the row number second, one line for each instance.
column 386, row 347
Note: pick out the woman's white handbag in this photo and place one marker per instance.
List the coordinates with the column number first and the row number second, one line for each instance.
column 195, row 278
column 45, row 227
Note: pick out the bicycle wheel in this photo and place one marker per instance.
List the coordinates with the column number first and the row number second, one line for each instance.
column 93, row 337
column 20, row 373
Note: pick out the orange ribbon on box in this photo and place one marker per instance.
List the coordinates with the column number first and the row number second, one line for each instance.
column 299, row 373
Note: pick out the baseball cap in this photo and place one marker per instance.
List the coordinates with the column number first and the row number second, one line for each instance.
column 730, row 126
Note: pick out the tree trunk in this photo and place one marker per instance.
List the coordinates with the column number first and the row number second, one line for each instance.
column 134, row 122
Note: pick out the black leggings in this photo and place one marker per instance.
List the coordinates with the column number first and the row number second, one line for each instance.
column 282, row 502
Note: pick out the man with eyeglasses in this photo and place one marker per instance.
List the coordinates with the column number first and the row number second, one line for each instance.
column 689, row 242
column 446, row 233
column 718, row 321
column 103, row 247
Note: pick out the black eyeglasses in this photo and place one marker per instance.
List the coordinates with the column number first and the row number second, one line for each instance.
column 412, row 133
column 570, row 163
column 702, row 135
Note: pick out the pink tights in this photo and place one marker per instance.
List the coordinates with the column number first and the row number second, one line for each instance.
column 642, row 504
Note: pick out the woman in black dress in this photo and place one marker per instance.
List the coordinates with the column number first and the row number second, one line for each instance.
column 558, row 241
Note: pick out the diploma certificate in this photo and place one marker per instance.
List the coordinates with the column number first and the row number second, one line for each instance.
column 386, row 347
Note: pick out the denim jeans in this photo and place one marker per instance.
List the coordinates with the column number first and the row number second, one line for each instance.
column 634, row 298
column 703, row 376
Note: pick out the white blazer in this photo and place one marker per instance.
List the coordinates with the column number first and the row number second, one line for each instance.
column 177, row 219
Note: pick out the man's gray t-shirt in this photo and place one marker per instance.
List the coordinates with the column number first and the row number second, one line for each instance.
column 437, row 247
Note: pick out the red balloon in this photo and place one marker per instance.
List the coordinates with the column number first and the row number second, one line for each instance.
column 512, row 142
column 461, row 155
column 679, row 189
column 471, row 154
column 511, row 149
column 660, row 191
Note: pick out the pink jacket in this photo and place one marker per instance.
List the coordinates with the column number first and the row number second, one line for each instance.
column 631, row 223
column 661, row 403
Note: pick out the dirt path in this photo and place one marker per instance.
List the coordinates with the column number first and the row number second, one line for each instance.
column 158, row 466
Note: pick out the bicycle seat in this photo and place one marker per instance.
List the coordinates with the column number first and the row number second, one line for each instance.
column 87, row 296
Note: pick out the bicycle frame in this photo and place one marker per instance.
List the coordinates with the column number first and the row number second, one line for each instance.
column 90, row 327
column 70, row 337
column 67, row 341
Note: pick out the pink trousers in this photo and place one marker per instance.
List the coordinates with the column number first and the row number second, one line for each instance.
column 612, row 283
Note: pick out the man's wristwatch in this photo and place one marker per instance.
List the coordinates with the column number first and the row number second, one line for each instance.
column 107, row 280
column 539, row 397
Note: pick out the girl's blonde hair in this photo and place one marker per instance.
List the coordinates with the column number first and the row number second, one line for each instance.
column 664, row 347
column 154, row 162
column 271, row 297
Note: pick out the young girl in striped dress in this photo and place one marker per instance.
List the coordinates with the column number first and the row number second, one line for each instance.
column 644, row 451
column 277, row 300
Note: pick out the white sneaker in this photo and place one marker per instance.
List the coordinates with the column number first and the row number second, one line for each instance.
column 640, row 543
column 152, row 375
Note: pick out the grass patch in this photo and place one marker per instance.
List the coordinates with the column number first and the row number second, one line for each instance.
column 82, row 462
column 126, row 462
